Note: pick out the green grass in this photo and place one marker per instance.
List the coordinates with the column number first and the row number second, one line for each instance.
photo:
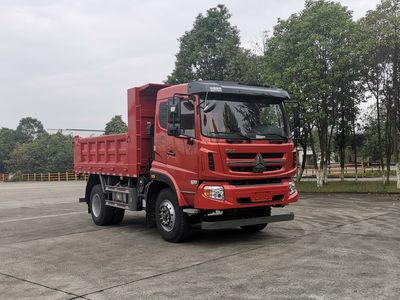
column 347, row 187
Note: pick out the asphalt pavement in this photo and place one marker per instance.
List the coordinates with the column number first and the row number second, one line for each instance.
column 340, row 246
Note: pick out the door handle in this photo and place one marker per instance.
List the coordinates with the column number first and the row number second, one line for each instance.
column 170, row 153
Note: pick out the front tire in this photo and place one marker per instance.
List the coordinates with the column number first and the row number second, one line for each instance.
column 102, row 214
column 172, row 223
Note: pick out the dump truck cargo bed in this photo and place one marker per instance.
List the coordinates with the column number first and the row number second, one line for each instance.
column 122, row 154
column 104, row 155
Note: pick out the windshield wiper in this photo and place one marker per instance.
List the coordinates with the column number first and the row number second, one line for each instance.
column 244, row 137
column 280, row 136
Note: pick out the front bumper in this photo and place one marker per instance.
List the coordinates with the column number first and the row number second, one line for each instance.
column 246, row 222
column 241, row 196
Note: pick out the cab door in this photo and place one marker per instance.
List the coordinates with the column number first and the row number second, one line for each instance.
column 182, row 151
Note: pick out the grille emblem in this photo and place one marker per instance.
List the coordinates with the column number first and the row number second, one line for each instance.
column 260, row 165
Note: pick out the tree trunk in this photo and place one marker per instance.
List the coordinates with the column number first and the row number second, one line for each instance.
column 396, row 106
column 315, row 159
column 320, row 175
column 322, row 143
column 328, row 153
column 388, row 140
column 384, row 178
column 325, row 173
column 320, row 182
column 380, row 135
column 342, row 151
column 303, row 162
column 354, row 142
column 355, row 161
column 388, row 170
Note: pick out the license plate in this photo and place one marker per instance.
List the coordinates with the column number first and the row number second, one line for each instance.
column 262, row 196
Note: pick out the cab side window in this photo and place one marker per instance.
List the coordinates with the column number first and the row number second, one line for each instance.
column 187, row 118
column 162, row 115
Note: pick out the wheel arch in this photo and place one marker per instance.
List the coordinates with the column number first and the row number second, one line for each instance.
column 154, row 189
column 94, row 179
column 151, row 193
column 168, row 181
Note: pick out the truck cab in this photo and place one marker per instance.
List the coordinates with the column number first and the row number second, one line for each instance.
column 219, row 154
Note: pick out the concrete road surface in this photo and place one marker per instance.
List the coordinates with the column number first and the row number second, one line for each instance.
column 338, row 247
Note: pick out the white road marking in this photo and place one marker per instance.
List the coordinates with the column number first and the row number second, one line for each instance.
column 42, row 217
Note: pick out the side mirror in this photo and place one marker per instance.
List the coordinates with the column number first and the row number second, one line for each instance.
column 174, row 116
column 174, row 130
column 174, row 110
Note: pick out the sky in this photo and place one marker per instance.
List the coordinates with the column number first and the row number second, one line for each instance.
column 69, row 63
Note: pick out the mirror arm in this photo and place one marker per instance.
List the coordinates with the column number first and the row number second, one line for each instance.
column 204, row 101
column 190, row 140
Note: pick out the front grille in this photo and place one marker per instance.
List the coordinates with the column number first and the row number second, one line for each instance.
column 255, row 182
column 241, row 155
column 253, row 155
column 272, row 155
column 250, row 168
column 246, row 162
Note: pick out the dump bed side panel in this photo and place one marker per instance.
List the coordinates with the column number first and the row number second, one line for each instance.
column 122, row 154
column 104, row 155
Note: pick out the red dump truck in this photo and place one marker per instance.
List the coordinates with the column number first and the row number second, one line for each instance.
column 216, row 154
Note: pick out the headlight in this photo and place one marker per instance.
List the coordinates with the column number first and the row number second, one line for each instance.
column 214, row 192
column 292, row 186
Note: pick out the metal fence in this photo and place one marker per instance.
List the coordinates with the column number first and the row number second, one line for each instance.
column 333, row 171
column 57, row 176
column 363, row 170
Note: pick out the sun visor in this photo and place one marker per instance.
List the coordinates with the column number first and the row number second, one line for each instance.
column 225, row 87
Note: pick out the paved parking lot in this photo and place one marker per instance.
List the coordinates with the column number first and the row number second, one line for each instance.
column 338, row 247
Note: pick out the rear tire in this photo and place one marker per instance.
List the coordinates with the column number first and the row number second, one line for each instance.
column 172, row 223
column 102, row 214
column 254, row 228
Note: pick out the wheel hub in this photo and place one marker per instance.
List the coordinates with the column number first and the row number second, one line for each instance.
column 96, row 205
column 167, row 215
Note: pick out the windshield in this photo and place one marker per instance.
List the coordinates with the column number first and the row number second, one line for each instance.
column 243, row 117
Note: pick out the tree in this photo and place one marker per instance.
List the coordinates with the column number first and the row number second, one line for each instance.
column 29, row 128
column 245, row 67
column 312, row 55
column 46, row 153
column 372, row 149
column 380, row 31
column 207, row 50
column 116, row 125
column 372, row 73
column 8, row 141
